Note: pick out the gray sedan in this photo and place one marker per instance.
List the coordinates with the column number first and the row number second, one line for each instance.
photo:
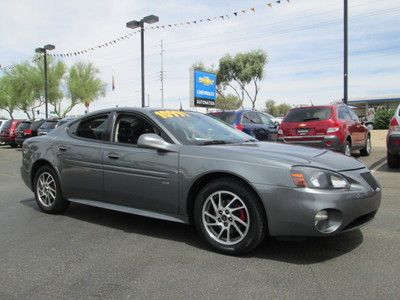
column 190, row 168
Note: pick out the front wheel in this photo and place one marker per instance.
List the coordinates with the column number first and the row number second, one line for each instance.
column 347, row 148
column 366, row 151
column 48, row 192
column 229, row 217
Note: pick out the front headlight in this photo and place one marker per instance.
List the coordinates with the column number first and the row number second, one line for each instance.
column 318, row 178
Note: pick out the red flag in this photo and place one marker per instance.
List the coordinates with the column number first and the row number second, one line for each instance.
column 113, row 83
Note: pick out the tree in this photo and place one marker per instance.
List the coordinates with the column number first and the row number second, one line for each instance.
column 227, row 102
column 270, row 107
column 276, row 109
column 382, row 118
column 7, row 102
column 83, row 85
column 242, row 70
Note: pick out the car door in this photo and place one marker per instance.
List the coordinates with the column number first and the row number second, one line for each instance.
column 137, row 177
column 270, row 128
column 253, row 126
column 344, row 115
column 80, row 158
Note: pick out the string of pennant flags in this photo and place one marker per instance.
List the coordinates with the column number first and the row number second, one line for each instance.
column 154, row 27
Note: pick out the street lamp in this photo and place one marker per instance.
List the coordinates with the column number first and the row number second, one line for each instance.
column 135, row 24
column 44, row 51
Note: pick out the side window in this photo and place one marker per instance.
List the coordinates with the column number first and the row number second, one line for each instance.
column 343, row 113
column 92, row 128
column 251, row 117
column 353, row 115
column 129, row 128
column 265, row 120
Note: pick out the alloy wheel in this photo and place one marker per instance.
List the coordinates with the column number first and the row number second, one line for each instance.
column 225, row 217
column 46, row 189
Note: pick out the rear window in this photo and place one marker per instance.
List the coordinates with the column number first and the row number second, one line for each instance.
column 35, row 125
column 308, row 114
column 48, row 125
column 228, row 117
column 7, row 124
column 24, row 125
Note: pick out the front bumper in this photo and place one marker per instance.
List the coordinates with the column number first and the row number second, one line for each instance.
column 292, row 211
column 330, row 142
column 393, row 144
column 7, row 139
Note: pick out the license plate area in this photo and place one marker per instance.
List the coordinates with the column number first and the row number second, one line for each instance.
column 302, row 131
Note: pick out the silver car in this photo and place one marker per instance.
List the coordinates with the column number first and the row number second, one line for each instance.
column 190, row 168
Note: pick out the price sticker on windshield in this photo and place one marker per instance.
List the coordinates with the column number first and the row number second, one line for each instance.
column 167, row 114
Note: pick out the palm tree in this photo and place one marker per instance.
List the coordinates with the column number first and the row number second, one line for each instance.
column 83, row 84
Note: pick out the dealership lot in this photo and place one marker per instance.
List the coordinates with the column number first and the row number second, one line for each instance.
column 90, row 252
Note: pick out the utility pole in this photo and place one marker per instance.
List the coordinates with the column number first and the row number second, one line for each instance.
column 345, row 51
column 162, row 74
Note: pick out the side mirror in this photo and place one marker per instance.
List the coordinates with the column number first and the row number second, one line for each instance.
column 276, row 124
column 154, row 141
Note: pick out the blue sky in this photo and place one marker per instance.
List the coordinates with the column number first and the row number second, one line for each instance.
column 303, row 40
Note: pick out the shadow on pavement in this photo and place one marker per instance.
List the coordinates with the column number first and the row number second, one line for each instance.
column 385, row 168
column 309, row 251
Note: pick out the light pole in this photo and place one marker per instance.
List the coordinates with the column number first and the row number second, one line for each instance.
column 345, row 51
column 135, row 24
column 44, row 51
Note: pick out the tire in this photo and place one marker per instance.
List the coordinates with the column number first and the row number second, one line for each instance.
column 244, row 210
column 366, row 151
column 48, row 192
column 13, row 145
column 346, row 150
column 393, row 161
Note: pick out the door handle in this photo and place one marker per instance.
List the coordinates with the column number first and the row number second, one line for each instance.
column 62, row 148
column 112, row 156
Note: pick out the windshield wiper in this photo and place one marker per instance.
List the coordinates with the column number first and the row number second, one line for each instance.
column 214, row 142
column 310, row 119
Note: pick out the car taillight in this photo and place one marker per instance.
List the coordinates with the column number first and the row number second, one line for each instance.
column 239, row 127
column 332, row 129
column 27, row 132
column 394, row 125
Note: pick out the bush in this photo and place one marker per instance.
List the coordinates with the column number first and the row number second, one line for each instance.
column 382, row 118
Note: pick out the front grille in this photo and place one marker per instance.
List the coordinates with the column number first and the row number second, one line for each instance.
column 370, row 180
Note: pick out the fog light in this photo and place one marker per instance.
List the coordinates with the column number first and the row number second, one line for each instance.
column 322, row 215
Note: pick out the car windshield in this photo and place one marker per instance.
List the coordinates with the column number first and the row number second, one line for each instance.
column 305, row 114
column 192, row 128
column 48, row 125
column 35, row 125
column 7, row 125
column 24, row 125
column 226, row 116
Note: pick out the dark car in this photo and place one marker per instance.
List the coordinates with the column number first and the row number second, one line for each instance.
column 63, row 121
column 47, row 126
column 252, row 122
column 335, row 127
column 9, row 132
column 32, row 131
column 393, row 141
column 191, row 168
column 22, row 128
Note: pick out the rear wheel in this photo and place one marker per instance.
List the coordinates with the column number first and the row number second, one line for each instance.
column 366, row 151
column 47, row 191
column 346, row 148
column 228, row 216
column 393, row 161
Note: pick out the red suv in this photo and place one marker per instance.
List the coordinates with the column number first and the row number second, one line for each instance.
column 9, row 132
column 334, row 127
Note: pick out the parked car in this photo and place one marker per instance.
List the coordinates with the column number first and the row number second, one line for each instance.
column 335, row 127
column 190, row 168
column 22, row 127
column 276, row 120
column 9, row 132
column 2, row 122
column 64, row 121
column 28, row 132
column 252, row 122
column 47, row 126
column 393, row 141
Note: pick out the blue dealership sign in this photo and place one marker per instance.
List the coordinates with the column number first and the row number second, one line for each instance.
column 204, row 88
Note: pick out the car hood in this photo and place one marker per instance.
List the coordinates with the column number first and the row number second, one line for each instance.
column 277, row 153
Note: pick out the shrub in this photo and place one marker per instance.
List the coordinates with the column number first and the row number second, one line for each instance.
column 382, row 118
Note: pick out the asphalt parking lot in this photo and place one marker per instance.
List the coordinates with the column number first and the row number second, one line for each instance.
column 94, row 253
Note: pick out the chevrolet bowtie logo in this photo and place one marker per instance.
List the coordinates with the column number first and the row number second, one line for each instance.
column 206, row 80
